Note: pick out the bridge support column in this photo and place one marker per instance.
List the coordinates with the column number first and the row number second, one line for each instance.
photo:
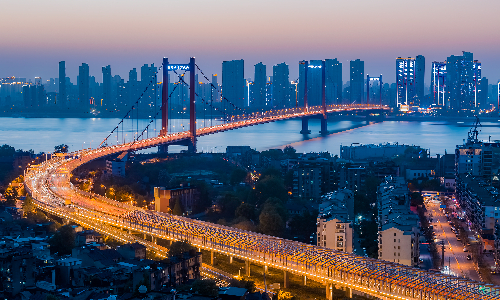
column 324, row 127
column 348, row 292
column 145, row 236
column 199, row 249
column 230, row 259
column 329, row 291
column 212, row 258
column 285, row 279
column 247, row 267
column 163, row 149
column 305, row 126
column 192, row 145
column 265, row 269
column 305, row 280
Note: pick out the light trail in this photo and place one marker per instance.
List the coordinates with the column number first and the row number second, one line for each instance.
column 49, row 185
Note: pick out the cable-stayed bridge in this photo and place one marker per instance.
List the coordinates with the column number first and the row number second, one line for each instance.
column 50, row 186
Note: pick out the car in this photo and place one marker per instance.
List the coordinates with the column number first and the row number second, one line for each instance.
column 469, row 257
column 465, row 250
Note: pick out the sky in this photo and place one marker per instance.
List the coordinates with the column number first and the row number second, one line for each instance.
column 36, row 35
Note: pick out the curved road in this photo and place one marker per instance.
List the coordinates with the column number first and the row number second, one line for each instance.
column 52, row 191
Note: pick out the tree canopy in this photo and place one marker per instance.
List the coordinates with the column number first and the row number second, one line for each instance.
column 179, row 247
column 63, row 148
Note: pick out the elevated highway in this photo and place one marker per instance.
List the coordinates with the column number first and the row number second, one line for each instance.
column 49, row 185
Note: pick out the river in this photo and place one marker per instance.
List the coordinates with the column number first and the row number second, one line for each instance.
column 42, row 134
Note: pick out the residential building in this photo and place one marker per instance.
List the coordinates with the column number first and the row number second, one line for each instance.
column 62, row 95
column 410, row 80
column 372, row 152
column 334, row 225
column 333, row 82
column 281, row 87
column 116, row 167
column 463, row 74
column 132, row 251
column 106, row 99
column 233, row 82
column 357, row 81
column 398, row 226
column 438, row 82
column 165, row 199
column 259, row 87
column 83, row 86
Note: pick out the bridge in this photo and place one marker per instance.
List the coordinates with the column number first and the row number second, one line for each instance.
column 49, row 185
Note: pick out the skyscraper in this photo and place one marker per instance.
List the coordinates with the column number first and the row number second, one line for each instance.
column 333, row 81
column 62, row 96
column 149, row 81
column 233, row 83
column 410, row 80
column 357, row 77
column 258, row 95
column 438, row 82
column 281, row 86
column 132, row 88
column 314, row 78
column 462, row 74
column 83, row 86
column 106, row 88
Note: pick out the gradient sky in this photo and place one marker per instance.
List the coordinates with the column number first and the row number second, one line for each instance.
column 36, row 35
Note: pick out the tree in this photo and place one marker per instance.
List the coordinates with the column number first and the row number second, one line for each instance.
column 63, row 241
column 28, row 206
column 271, row 223
column 238, row 176
column 246, row 211
column 206, row 288
column 179, row 247
column 416, row 199
column 6, row 150
column 245, row 284
column 290, row 152
column 61, row 148
column 270, row 186
column 178, row 211
column 11, row 196
column 229, row 203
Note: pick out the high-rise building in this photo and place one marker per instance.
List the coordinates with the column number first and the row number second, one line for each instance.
column 357, row 81
column 462, row 76
column 438, row 82
column 62, row 96
column 233, row 83
column 83, row 86
column 281, row 86
column 106, row 87
column 314, row 79
column 410, row 80
column 333, row 81
column 258, row 95
column 132, row 88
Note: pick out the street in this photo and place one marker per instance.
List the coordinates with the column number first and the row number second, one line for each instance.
column 455, row 259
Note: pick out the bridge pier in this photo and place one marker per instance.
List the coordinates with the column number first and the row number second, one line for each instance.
column 285, row 279
column 212, row 258
column 305, row 280
column 324, row 127
column 329, row 291
column 247, row 268
column 230, row 259
column 192, row 145
column 348, row 292
column 305, row 126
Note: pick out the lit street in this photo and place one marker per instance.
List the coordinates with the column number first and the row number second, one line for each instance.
column 454, row 256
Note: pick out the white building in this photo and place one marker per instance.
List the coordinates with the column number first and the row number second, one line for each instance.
column 398, row 226
column 334, row 226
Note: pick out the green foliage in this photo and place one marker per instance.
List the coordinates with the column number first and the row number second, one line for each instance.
column 228, row 204
column 146, row 281
column 416, row 199
column 6, row 150
column 204, row 201
column 63, row 241
column 11, row 196
column 178, row 210
column 303, row 225
column 206, row 287
column 238, row 176
column 28, row 206
column 290, row 152
column 272, row 218
column 246, row 211
column 61, row 148
column 270, row 186
column 272, row 154
column 179, row 247
column 51, row 297
column 245, row 284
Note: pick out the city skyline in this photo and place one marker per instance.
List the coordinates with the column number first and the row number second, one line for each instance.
column 128, row 35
